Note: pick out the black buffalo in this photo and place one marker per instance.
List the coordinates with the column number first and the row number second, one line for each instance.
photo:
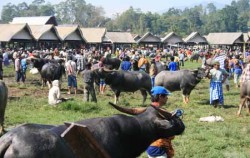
column 50, row 69
column 184, row 80
column 111, row 63
column 3, row 103
column 120, row 136
column 51, row 72
column 127, row 81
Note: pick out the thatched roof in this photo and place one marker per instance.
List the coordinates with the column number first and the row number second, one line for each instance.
column 15, row 31
column 225, row 38
column 119, row 37
column 93, row 35
column 36, row 20
column 149, row 38
column 38, row 31
column 195, row 37
column 172, row 38
column 66, row 31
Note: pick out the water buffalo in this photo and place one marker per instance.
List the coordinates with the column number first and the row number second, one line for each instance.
column 184, row 80
column 51, row 72
column 120, row 136
column 194, row 57
column 111, row 63
column 3, row 103
column 127, row 81
column 244, row 96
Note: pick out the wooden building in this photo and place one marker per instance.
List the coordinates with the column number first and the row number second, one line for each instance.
column 94, row 36
column 46, row 36
column 149, row 40
column 16, row 36
column 71, row 36
column 195, row 39
column 119, row 39
column 35, row 20
column 171, row 39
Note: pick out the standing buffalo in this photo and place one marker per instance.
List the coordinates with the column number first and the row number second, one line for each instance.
column 111, row 63
column 51, row 72
column 120, row 136
column 244, row 96
column 49, row 69
column 194, row 57
column 127, row 81
column 184, row 80
column 3, row 102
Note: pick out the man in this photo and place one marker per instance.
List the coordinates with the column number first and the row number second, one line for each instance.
column 161, row 148
column 55, row 94
column 18, row 69
column 143, row 63
column 88, row 80
column 181, row 58
column 71, row 71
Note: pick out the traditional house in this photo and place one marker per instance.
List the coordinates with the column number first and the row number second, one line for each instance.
column 16, row 36
column 46, row 36
column 119, row 39
column 149, row 40
column 36, row 20
column 195, row 39
column 71, row 36
column 171, row 39
column 94, row 36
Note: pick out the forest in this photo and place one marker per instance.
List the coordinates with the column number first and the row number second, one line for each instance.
column 203, row 19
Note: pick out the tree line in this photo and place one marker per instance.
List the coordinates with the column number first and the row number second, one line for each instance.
column 204, row 19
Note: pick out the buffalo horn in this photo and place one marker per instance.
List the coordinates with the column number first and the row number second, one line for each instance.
column 107, row 70
column 163, row 112
column 131, row 111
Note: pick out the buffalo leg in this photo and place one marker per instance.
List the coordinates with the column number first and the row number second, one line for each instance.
column 242, row 102
column 184, row 98
column 144, row 94
column 187, row 99
column 117, row 94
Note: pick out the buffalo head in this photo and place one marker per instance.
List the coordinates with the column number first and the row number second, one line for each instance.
column 200, row 73
column 164, row 123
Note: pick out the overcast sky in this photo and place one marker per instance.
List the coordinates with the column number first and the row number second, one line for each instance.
column 116, row 6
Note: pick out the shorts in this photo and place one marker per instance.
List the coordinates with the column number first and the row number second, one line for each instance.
column 102, row 82
column 72, row 81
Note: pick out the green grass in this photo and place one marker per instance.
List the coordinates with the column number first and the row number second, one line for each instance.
column 228, row 139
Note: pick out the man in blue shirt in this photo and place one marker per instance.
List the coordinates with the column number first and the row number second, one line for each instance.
column 172, row 66
column 126, row 64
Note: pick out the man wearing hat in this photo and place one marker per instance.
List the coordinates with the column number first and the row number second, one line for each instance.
column 217, row 76
column 161, row 148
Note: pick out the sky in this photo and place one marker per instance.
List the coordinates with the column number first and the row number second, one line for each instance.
column 112, row 7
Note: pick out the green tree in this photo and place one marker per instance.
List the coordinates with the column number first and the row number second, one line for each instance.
column 9, row 11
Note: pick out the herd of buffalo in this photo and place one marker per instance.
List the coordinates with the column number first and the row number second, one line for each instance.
column 121, row 136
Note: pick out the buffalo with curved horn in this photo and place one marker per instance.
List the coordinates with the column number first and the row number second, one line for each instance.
column 119, row 136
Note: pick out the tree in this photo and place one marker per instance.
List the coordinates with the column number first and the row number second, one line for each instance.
column 211, row 8
column 9, row 11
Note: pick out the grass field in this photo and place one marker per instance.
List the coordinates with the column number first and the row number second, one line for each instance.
column 230, row 139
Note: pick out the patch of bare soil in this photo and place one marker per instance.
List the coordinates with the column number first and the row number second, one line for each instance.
column 18, row 90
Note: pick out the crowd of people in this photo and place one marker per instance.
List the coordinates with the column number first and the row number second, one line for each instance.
column 225, row 64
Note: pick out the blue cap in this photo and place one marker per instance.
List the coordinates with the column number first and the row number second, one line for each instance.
column 159, row 90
